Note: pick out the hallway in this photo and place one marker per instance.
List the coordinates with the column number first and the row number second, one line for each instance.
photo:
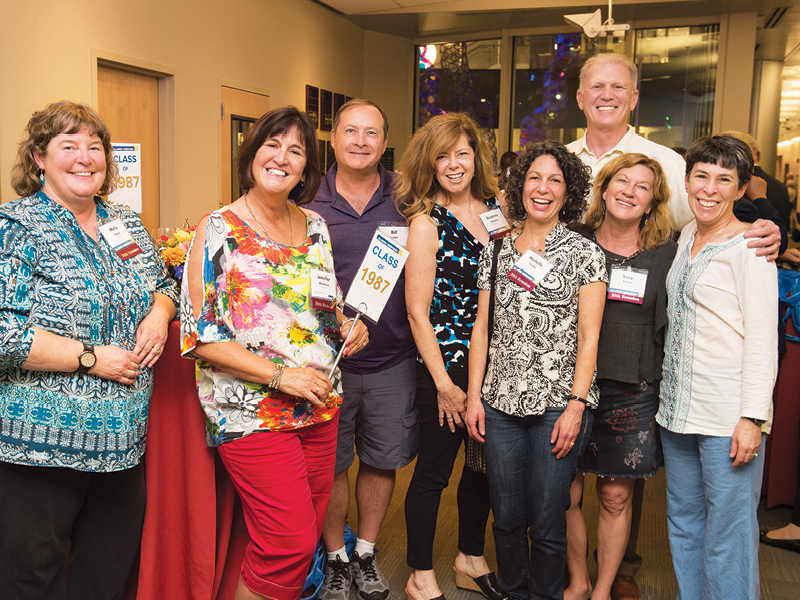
column 780, row 569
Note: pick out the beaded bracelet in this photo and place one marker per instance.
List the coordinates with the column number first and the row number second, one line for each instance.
column 276, row 377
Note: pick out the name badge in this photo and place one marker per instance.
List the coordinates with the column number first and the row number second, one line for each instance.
column 627, row 284
column 396, row 232
column 323, row 290
column 376, row 277
column 119, row 239
column 529, row 270
column 495, row 223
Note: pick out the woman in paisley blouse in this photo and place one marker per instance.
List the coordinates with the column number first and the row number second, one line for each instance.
column 629, row 219
column 84, row 316
column 265, row 352
column 446, row 183
column 530, row 404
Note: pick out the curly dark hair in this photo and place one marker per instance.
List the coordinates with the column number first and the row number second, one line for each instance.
column 577, row 177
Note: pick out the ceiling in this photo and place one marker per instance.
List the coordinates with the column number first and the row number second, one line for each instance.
column 778, row 37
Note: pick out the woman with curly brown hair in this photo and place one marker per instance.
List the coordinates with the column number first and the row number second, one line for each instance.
column 529, row 403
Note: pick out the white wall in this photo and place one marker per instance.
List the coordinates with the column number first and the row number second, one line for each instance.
column 274, row 45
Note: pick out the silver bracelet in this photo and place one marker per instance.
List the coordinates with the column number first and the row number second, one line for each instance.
column 346, row 321
column 276, row 377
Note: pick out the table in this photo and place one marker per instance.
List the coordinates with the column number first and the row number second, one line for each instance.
column 194, row 534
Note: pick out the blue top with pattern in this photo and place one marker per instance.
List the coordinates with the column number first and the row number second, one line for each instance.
column 55, row 277
column 455, row 290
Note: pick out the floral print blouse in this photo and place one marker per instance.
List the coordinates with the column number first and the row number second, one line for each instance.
column 257, row 293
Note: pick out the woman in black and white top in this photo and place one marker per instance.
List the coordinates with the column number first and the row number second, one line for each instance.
column 530, row 409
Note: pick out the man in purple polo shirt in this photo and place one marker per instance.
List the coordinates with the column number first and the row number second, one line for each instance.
column 379, row 411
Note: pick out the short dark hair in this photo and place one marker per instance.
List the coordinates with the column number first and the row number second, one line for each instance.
column 724, row 151
column 278, row 122
column 361, row 102
column 43, row 126
column 577, row 177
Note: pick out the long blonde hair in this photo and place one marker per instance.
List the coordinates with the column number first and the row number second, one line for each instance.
column 416, row 188
column 656, row 228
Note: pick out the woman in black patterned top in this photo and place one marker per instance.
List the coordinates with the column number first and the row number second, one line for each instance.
column 446, row 183
column 531, row 408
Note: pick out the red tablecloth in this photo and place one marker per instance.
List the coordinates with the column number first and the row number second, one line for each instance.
column 194, row 534
column 780, row 468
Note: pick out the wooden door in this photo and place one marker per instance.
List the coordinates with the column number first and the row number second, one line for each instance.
column 128, row 102
column 238, row 111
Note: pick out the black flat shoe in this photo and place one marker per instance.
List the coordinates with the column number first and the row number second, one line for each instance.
column 485, row 584
column 793, row 545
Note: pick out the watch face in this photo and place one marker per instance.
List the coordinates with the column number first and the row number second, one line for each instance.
column 87, row 360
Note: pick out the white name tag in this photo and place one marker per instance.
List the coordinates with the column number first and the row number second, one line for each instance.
column 495, row 223
column 627, row 284
column 396, row 232
column 119, row 239
column 376, row 277
column 323, row 290
column 529, row 270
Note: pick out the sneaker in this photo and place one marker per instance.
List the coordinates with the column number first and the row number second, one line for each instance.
column 338, row 580
column 369, row 580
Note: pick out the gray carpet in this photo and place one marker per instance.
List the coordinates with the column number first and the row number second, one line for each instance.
column 780, row 569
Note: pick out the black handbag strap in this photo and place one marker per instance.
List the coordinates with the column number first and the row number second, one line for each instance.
column 496, row 245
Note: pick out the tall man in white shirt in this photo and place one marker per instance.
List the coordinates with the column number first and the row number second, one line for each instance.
column 607, row 95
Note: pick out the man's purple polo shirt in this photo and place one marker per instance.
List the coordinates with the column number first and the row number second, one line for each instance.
column 390, row 342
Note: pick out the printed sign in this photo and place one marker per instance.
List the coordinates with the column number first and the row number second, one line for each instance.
column 129, row 178
column 377, row 276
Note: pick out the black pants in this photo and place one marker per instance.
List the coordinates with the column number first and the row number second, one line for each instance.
column 438, row 448
column 44, row 509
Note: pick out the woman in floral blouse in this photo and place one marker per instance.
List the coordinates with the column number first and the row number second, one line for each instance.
column 532, row 406
column 265, row 353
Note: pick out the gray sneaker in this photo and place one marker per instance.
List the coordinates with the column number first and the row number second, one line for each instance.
column 369, row 580
column 338, row 580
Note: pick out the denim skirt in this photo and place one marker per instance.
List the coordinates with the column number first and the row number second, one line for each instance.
column 625, row 438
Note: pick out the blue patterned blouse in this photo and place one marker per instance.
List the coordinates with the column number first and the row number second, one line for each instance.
column 55, row 277
column 455, row 290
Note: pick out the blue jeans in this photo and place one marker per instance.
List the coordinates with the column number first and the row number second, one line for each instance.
column 529, row 494
column 711, row 517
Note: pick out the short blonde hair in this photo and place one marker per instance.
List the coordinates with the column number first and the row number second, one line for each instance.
column 611, row 58
column 655, row 230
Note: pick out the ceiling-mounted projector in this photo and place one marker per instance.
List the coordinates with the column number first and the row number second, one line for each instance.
column 592, row 23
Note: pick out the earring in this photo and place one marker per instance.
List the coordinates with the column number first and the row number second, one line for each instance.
column 645, row 219
column 41, row 177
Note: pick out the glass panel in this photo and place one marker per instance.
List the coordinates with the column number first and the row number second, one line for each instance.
column 239, row 128
column 460, row 77
column 677, row 74
column 545, row 82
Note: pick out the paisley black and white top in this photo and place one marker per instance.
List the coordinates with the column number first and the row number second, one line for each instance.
column 455, row 290
column 534, row 341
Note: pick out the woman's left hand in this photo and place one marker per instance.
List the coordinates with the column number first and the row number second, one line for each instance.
column 151, row 335
column 567, row 428
column 358, row 340
column 745, row 442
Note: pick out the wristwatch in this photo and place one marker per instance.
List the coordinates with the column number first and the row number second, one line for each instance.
column 86, row 359
column 758, row 422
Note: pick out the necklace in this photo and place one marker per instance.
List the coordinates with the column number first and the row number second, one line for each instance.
column 611, row 259
column 264, row 231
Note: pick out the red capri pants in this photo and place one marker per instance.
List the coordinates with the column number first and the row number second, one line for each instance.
column 284, row 479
